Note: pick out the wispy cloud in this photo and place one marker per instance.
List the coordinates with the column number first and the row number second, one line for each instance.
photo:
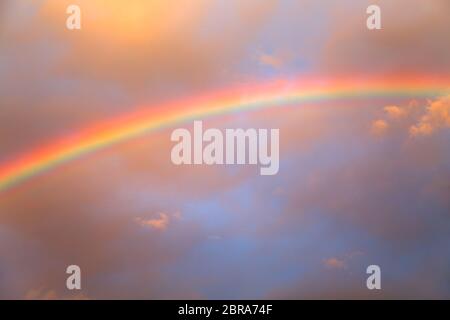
column 334, row 263
column 159, row 223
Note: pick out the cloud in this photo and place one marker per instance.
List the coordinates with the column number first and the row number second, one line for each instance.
column 381, row 189
column 40, row 294
column 334, row 263
column 124, row 57
column 350, row 47
column 338, row 188
column 342, row 263
column 80, row 223
column 50, row 294
column 160, row 223
column 395, row 112
column 417, row 119
column 154, row 44
column 272, row 60
column 379, row 127
column 437, row 116
column 336, row 181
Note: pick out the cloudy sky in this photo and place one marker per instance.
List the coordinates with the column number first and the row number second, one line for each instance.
column 361, row 181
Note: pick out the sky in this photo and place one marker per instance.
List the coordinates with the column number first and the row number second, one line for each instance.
column 363, row 180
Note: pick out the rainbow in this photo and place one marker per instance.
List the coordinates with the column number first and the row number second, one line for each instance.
column 244, row 98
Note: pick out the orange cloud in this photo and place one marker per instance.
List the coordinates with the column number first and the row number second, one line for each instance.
column 159, row 223
column 395, row 112
column 415, row 118
column 43, row 294
column 436, row 117
column 40, row 294
column 379, row 127
column 334, row 263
